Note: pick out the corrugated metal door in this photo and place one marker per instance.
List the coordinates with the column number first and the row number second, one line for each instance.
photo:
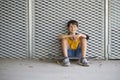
column 51, row 16
column 13, row 29
column 114, row 29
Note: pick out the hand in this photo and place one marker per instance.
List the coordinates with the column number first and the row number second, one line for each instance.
column 74, row 37
column 82, row 35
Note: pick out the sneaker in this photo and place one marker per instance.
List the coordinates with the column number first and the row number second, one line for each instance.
column 84, row 62
column 66, row 62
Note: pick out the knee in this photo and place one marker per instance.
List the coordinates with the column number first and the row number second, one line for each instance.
column 83, row 39
column 64, row 40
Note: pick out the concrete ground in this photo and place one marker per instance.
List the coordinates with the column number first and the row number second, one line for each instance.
column 44, row 70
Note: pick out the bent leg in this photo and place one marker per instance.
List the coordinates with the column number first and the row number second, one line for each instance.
column 83, row 60
column 66, row 61
column 64, row 47
column 83, row 45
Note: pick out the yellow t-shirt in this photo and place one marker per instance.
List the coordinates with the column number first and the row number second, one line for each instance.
column 73, row 43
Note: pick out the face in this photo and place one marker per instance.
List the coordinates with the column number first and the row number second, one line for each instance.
column 73, row 28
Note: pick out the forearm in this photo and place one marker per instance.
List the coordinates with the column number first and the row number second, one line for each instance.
column 64, row 36
column 74, row 36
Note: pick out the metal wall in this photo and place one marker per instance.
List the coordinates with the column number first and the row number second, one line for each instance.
column 50, row 18
column 114, row 29
column 13, row 29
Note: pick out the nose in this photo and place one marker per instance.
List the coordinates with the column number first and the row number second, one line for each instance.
column 72, row 27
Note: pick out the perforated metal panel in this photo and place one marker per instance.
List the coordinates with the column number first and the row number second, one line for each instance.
column 114, row 29
column 50, row 20
column 13, row 29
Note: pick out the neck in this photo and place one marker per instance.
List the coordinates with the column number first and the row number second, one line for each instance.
column 72, row 33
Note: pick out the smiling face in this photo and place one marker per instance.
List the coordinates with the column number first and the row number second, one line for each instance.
column 73, row 28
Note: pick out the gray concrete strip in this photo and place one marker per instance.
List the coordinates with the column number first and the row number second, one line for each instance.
column 45, row 70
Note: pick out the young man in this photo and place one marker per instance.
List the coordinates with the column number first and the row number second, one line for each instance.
column 74, row 44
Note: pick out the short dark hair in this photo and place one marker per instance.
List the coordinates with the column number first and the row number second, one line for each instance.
column 72, row 22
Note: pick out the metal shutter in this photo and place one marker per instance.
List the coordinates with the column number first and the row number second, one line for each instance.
column 114, row 29
column 13, row 29
column 50, row 18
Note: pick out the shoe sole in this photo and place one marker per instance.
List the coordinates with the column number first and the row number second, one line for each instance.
column 65, row 65
column 86, row 65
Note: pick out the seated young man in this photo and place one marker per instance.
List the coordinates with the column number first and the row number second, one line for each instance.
column 74, row 44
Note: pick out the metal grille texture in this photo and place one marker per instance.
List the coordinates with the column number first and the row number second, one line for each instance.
column 50, row 18
column 114, row 29
column 13, row 29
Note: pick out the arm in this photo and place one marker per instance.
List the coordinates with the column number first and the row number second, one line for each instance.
column 75, row 36
column 64, row 36
column 84, row 36
column 70, row 36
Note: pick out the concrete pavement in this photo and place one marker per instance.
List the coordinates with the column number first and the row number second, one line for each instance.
column 12, row 69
